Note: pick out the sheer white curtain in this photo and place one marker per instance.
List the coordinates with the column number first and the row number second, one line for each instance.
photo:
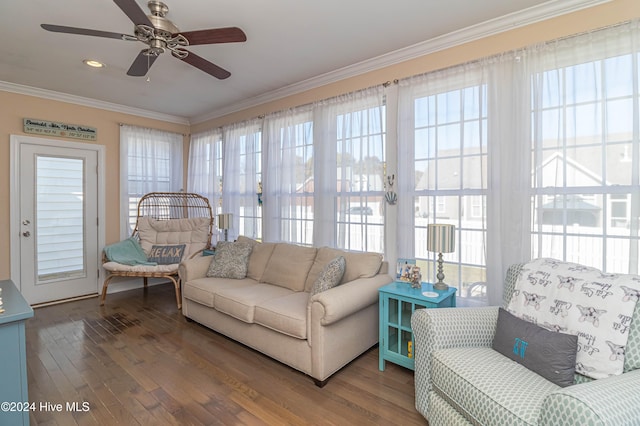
column 150, row 161
column 349, row 152
column 242, row 165
column 585, row 148
column 205, row 167
column 563, row 153
column 288, row 184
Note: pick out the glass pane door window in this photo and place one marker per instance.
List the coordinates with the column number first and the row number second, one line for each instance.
column 60, row 212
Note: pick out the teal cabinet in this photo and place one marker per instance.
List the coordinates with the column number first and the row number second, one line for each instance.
column 13, row 357
column 398, row 300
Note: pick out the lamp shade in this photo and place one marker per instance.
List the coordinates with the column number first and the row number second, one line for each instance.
column 224, row 220
column 441, row 238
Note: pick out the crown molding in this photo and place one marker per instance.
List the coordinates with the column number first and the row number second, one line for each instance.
column 508, row 22
column 88, row 102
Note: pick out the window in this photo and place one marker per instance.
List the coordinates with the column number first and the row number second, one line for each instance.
column 289, row 184
column 583, row 179
column 242, row 178
column 360, row 157
column 150, row 161
column 448, row 157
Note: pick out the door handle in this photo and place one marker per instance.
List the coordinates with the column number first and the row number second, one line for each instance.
column 26, row 234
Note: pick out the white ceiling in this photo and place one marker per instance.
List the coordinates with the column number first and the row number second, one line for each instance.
column 290, row 43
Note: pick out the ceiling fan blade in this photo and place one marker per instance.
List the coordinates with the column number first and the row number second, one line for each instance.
column 206, row 66
column 142, row 63
column 215, row 35
column 134, row 12
column 84, row 31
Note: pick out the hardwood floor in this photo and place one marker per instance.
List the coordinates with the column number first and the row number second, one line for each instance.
column 137, row 361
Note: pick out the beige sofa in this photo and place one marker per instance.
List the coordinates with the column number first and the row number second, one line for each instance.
column 271, row 310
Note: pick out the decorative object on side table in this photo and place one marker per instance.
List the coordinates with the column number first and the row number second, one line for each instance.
column 441, row 238
column 224, row 223
column 403, row 269
column 416, row 277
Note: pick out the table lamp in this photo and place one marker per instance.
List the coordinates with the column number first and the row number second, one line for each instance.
column 441, row 239
column 224, row 223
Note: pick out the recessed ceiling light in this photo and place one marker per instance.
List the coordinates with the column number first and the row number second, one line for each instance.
column 93, row 63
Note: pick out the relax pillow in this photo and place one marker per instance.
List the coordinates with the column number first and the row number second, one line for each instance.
column 330, row 275
column 230, row 260
column 552, row 355
column 166, row 254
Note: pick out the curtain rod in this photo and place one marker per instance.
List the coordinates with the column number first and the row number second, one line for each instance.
column 151, row 128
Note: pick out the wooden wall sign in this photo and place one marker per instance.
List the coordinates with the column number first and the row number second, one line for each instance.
column 64, row 130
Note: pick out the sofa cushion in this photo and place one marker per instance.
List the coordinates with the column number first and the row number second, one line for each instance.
column 548, row 353
column 358, row 265
column 258, row 260
column 324, row 256
column 203, row 290
column 289, row 266
column 361, row 265
column 330, row 276
column 488, row 387
column 259, row 257
column 286, row 314
column 240, row 302
column 230, row 260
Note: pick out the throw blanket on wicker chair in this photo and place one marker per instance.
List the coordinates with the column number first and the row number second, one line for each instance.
column 127, row 252
column 575, row 299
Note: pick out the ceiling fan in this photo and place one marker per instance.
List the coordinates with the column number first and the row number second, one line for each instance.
column 160, row 34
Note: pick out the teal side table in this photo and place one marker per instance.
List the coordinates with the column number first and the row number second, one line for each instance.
column 398, row 300
column 13, row 356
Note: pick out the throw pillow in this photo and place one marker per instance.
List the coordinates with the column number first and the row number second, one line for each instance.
column 230, row 260
column 330, row 275
column 552, row 355
column 166, row 254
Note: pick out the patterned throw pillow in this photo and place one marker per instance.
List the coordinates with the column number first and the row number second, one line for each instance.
column 330, row 275
column 165, row 254
column 230, row 260
column 552, row 355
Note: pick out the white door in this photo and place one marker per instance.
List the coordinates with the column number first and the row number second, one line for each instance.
column 58, row 221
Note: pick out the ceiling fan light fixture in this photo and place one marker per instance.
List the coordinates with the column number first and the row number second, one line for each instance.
column 93, row 63
column 160, row 35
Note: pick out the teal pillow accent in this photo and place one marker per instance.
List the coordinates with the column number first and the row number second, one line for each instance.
column 552, row 355
column 166, row 254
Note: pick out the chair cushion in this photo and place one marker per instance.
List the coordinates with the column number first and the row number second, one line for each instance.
column 193, row 232
column 286, row 314
column 240, row 302
column 467, row 376
column 115, row 267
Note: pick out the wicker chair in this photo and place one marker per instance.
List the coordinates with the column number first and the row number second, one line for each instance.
column 166, row 218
